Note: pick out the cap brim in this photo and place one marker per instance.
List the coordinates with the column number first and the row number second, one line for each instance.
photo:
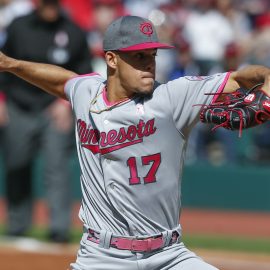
column 145, row 46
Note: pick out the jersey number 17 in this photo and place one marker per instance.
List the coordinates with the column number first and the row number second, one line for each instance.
column 150, row 177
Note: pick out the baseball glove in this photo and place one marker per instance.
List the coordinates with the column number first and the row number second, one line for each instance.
column 239, row 110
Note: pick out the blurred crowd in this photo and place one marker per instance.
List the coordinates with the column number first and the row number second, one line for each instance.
column 209, row 36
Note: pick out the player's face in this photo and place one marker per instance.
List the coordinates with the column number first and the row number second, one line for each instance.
column 136, row 70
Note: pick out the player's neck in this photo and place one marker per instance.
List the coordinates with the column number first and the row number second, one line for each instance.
column 117, row 93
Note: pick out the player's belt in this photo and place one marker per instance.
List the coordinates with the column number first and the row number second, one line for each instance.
column 135, row 244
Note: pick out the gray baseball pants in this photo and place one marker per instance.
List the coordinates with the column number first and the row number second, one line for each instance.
column 175, row 257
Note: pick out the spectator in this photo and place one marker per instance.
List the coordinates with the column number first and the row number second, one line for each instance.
column 9, row 10
column 38, row 121
column 220, row 147
column 259, row 53
column 135, row 6
column 239, row 20
column 164, row 17
column 261, row 144
column 184, row 65
column 259, row 45
column 80, row 11
column 183, row 62
column 202, row 31
column 252, row 8
column 104, row 12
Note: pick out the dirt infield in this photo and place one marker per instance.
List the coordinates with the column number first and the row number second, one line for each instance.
column 51, row 258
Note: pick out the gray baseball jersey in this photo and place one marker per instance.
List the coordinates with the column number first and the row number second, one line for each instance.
column 131, row 153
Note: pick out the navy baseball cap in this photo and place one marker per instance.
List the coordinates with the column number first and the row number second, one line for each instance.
column 132, row 33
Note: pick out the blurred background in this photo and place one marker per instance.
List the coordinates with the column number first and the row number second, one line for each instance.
column 226, row 183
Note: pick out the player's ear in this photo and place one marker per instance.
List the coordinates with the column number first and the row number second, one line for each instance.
column 111, row 59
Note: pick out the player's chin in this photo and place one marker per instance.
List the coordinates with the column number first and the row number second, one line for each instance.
column 145, row 91
column 147, row 87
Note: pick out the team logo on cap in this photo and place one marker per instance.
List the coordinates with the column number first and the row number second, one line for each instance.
column 146, row 28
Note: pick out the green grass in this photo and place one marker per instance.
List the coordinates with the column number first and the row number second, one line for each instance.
column 212, row 242
column 40, row 233
column 221, row 242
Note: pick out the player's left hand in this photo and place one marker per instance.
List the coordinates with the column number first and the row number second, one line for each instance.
column 61, row 114
column 239, row 110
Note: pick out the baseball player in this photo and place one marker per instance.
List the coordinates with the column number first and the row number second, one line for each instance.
column 131, row 137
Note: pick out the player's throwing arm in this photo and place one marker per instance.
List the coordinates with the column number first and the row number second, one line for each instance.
column 48, row 77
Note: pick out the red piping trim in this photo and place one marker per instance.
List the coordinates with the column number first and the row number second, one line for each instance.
column 104, row 95
column 221, row 88
column 107, row 102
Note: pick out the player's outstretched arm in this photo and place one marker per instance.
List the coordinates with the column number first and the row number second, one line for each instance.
column 50, row 78
column 247, row 77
